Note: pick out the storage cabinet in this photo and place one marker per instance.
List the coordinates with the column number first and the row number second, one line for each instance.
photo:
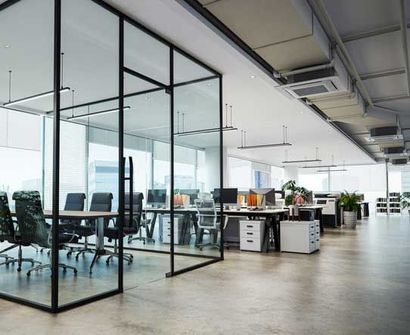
column 166, row 229
column 251, row 235
column 300, row 236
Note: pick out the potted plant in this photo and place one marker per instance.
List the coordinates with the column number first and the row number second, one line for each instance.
column 350, row 204
column 295, row 196
column 405, row 200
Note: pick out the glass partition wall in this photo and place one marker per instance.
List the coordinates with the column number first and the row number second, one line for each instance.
column 110, row 137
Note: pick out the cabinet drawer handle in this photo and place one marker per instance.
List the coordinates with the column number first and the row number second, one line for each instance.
column 249, row 226
column 248, row 233
column 250, row 241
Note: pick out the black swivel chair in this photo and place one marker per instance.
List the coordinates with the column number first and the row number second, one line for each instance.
column 140, row 218
column 100, row 202
column 73, row 202
column 131, row 226
column 6, row 226
column 33, row 228
column 8, row 233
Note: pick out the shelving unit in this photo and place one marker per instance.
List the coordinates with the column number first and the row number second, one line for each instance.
column 394, row 204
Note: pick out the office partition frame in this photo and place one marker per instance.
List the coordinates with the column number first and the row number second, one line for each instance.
column 55, row 306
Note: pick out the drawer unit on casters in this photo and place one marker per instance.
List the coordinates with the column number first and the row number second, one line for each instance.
column 251, row 235
column 300, row 236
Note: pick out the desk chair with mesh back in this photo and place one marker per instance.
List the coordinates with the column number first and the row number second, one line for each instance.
column 100, row 202
column 73, row 202
column 141, row 221
column 33, row 228
column 130, row 228
column 207, row 221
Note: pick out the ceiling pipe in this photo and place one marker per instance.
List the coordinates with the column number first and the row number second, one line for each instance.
column 308, row 69
column 403, row 26
column 381, row 74
column 336, row 37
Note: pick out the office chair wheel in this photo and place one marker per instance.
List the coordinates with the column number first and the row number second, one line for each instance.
column 19, row 269
column 107, row 262
column 75, row 271
column 28, row 274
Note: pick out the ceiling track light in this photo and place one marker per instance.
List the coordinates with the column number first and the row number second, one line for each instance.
column 302, row 161
column 34, row 97
column 205, row 131
column 106, row 111
column 336, row 170
column 227, row 127
column 286, row 161
column 318, row 166
column 284, row 143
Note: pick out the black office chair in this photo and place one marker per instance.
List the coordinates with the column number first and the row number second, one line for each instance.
column 130, row 228
column 140, row 218
column 12, row 236
column 100, row 202
column 33, row 228
column 6, row 227
column 74, row 202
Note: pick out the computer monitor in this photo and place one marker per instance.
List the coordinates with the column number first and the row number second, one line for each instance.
column 228, row 196
column 157, row 197
column 268, row 195
column 193, row 194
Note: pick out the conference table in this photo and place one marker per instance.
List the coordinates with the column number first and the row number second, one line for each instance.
column 271, row 217
column 99, row 218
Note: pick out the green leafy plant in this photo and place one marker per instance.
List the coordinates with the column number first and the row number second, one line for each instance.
column 296, row 191
column 405, row 200
column 350, row 202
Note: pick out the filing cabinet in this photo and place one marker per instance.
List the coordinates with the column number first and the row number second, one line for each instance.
column 251, row 233
column 300, row 236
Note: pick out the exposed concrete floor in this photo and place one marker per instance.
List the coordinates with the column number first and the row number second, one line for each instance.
column 358, row 284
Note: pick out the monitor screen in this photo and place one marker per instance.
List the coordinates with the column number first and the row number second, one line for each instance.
column 228, row 196
column 268, row 195
column 157, row 196
column 193, row 194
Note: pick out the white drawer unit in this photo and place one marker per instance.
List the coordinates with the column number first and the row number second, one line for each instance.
column 251, row 235
column 166, row 230
column 300, row 236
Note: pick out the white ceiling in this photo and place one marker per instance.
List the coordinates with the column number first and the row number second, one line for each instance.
column 258, row 107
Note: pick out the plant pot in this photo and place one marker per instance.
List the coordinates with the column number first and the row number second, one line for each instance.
column 350, row 219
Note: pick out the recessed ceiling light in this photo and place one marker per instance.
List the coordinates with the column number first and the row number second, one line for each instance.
column 7, row 46
column 253, row 76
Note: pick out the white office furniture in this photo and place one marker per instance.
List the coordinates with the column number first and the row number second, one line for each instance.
column 251, row 233
column 300, row 236
column 166, row 229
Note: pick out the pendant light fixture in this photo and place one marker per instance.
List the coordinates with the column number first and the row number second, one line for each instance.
column 35, row 96
column 284, row 142
column 286, row 161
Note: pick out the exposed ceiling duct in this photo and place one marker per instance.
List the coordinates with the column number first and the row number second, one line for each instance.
column 386, row 136
column 395, row 152
column 399, row 161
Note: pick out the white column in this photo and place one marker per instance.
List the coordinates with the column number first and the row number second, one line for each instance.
column 291, row 173
column 212, row 168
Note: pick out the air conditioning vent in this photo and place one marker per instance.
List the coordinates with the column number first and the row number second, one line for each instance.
column 318, row 82
column 385, row 134
column 395, row 152
column 400, row 161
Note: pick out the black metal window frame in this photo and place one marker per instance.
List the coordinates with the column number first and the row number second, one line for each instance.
column 55, row 307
